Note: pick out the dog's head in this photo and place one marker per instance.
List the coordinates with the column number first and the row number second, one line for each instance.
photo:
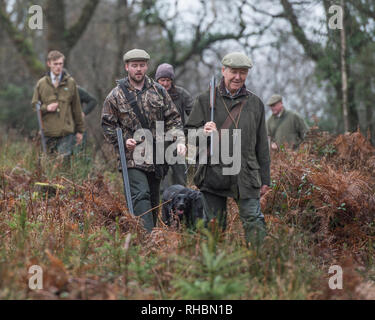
column 181, row 204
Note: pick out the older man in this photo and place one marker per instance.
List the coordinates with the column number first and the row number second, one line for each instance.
column 60, row 107
column 184, row 102
column 284, row 126
column 235, row 108
column 137, row 102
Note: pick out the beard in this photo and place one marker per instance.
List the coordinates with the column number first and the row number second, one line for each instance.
column 140, row 79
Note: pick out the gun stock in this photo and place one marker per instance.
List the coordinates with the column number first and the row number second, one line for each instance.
column 124, row 167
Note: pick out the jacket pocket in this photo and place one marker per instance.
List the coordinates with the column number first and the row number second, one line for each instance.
column 127, row 118
column 51, row 99
column 214, row 178
column 252, row 174
column 156, row 110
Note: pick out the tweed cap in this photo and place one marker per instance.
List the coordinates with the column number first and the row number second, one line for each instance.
column 165, row 70
column 237, row 60
column 274, row 99
column 136, row 54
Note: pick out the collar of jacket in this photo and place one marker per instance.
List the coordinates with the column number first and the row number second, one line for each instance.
column 173, row 93
column 223, row 91
column 281, row 114
column 64, row 76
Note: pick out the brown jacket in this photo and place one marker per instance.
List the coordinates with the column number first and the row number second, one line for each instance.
column 68, row 117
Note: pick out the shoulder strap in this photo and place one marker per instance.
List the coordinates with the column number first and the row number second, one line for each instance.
column 233, row 115
column 133, row 103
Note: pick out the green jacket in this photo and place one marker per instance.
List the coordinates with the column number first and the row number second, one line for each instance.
column 68, row 117
column 289, row 128
column 255, row 157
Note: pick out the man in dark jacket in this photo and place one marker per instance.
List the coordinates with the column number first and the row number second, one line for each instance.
column 88, row 103
column 184, row 102
column 235, row 108
column 138, row 102
column 60, row 106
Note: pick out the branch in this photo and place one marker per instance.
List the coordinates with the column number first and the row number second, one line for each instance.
column 255, row 9
column 365, row 9
column 75, row 32
column 313, row 50
column 23, row 45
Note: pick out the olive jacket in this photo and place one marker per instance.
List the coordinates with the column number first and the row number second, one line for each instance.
column 288, row 128
column 67, row 119
column 254, row 149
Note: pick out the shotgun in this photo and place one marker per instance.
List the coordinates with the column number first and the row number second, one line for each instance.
column 125, row 176
column 212, row 106
column 40, row 122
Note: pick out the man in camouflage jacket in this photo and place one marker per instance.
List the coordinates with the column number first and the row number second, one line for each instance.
column 156, row 105
column 184, row 103
column 253, row 178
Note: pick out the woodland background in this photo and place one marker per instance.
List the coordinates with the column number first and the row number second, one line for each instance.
column 320, row 207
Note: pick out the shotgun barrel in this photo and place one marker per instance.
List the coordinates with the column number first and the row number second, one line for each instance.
column 212, row 106
column 124, row 167
column 40, row 122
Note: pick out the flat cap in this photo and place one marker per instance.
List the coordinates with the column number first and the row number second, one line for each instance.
column 274, row 99
column 237, row 60
column 136, row 54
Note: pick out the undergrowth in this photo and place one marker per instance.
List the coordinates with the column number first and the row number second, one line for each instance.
column 318, row 212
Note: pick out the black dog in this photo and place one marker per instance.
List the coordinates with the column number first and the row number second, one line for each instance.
column 185, row 205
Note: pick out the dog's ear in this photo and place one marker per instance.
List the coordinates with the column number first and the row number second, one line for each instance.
column 191, row 194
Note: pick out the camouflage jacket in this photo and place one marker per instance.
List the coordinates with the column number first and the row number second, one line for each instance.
column 289, row 128
column 183, row 101
column 68, row 117
column 156, row 105
column 255, row 158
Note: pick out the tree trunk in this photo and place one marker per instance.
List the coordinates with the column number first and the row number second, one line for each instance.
column 344, row 75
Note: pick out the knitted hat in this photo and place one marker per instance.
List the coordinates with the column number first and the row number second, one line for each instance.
column 165, row 70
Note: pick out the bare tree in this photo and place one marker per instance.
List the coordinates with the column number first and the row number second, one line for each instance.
column 59, row 36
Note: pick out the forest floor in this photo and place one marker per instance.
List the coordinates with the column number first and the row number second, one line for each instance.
column 319, row 211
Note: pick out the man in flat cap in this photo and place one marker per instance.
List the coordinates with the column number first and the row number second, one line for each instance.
column 235, row 108
column 184, row 102
column 137, row 102
column 284, row 127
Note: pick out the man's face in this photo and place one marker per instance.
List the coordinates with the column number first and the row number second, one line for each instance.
column 234, row 78
column 56, row 66
column 277, row 108
column 165, row 82
column 136, row 70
